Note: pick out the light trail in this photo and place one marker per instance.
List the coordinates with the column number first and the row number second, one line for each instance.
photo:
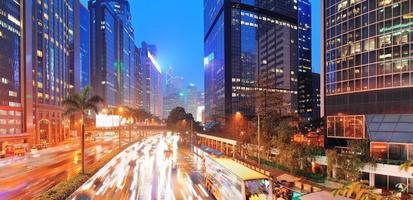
column 155, row 168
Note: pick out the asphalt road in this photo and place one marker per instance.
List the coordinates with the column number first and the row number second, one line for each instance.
column 35, row 173
column 155, row 168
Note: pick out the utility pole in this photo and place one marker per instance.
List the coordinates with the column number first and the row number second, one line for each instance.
column 258, row 152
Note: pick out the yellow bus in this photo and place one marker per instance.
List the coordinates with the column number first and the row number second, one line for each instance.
column 227, row 179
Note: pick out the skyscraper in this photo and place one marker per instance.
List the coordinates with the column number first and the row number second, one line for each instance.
column 11, row 70
column 192, row 99
column 367, row 80
column 315, row 95
column 112, row 52
column 138, row 79
column 305, row 95
column 152, row 79
column 251, row 56
column 55, row 64
column 174, row 95
column 84, row 39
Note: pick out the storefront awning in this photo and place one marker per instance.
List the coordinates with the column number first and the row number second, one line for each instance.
column 390, row 128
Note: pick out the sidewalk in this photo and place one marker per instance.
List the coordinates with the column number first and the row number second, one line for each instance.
column 65, row 145
column 301, row 184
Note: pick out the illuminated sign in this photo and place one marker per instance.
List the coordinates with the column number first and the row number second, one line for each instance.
column 107, row 121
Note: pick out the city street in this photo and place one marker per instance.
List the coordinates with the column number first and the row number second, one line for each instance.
column 37, row 172
column 155, row 168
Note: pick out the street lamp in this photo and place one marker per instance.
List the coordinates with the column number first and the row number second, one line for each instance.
column 238, row 115
column 120, row 111
column 258, row 132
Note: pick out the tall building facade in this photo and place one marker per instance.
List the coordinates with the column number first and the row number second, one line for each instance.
column 84, row 58
column 316, row 96
column 305, row 95
column 192, row 99
column 151, row 79
column 138, row 79
column 174, row 95
column 367, row 80
column 11, row 71
column 251, row 51
column 55, row 65
column 112, row 52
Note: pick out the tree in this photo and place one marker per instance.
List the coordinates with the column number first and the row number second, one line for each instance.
column 140, row 115
column 175, row 117
column 360, row 190
column 82, row 103
column 406, row 166
column 331, row 161
column 126, row 114
column 179, row 120
column 347, row 165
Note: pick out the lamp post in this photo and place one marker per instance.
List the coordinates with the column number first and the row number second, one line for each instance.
column 120, row 111
column 259, row 134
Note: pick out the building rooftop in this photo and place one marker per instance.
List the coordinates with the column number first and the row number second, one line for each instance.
column 239, row 170
column 390, row 128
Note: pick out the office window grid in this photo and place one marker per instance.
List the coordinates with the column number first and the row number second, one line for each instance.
column 368, row 45
column 349, row 126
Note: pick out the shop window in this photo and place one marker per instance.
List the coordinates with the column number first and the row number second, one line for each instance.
column 393, row 181
column 397, row 152
column 380, row 181
column 379, row 150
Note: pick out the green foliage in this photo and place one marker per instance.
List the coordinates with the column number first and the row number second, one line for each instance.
column 82, row 102
column 269, row 163
column 360, row 190
column 317, row 151
column 179, row 120
column 140, row 115
column 331, row 161
column 391, row 162
column 310, row 176
column 303, row 173
column 65, row 188
column 361, row 148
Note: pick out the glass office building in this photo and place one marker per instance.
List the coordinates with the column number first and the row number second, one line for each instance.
column 368, row 77
column 112, row 52
column 305, row 96
column 151, row 79
column 250, row 56
column 54, row 65
column 11, row 110
column 84, row 58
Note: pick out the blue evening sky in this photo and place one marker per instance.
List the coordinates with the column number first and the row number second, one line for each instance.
column 176, row 27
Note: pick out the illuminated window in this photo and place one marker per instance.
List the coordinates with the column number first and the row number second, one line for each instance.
column 350, row 126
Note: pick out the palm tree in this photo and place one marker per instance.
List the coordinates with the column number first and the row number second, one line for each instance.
column 406, row 166
column 361, row 191
column 126, row 114
column 82, row 103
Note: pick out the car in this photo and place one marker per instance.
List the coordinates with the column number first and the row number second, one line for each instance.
column 39, row 147
column 19, row 151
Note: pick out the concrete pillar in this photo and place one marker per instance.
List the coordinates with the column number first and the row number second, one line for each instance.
column 233, row 151
column 221, row 148
column 372, row 179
